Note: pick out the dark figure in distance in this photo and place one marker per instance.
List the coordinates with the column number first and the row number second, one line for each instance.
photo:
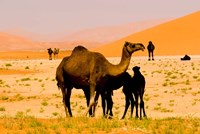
column 150, row 48
column 186, row 57
column 50, row 51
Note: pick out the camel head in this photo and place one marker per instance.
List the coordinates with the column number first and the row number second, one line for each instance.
column 133, row 47
column 50, row 51
column 136, row 69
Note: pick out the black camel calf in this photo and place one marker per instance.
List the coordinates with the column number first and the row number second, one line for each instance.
column 135, row 86
column 113, row 83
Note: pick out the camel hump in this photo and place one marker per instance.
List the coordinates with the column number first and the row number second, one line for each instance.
column 79, row 48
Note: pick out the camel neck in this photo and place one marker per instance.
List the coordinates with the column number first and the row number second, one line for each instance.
column 120, row 68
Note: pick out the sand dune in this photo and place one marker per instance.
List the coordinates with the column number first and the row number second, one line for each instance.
column 91, row 38
column 10, row 42
column 177, row 37
column 107, row 34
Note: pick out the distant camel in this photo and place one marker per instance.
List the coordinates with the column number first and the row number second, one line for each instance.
column 84, row 69
column 50, row 51
column 137, row 84
column 55, row 52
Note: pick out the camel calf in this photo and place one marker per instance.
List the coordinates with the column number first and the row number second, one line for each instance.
column 136, row 86
column 113, row 83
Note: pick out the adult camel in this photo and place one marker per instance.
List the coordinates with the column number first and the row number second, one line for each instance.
column 113, row 83
column 84, row 68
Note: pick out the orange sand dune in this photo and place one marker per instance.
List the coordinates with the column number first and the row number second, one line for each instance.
column 10, row 42
column 177, row 37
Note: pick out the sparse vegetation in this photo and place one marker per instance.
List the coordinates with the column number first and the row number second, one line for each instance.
column 27, row 67
column 44, row 103
column 8, row 65
column 25, row 79
column 28, row 124
column 2, row 109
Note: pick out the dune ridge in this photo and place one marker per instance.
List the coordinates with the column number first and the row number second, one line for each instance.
column 176, row 37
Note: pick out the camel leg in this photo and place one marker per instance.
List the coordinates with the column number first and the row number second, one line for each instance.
column 127, row 97
column 136, row 104
column 142, row 108
column 87, row 95
column 63, row 93
column 109, row 104
column 103, row 103
column 67, row 101
column 95, row 102
column 132, row 104
column 92, row 94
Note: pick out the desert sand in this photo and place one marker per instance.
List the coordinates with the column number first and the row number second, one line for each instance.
column 28, row 85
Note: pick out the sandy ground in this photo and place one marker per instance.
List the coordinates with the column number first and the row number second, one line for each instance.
column 29, row 86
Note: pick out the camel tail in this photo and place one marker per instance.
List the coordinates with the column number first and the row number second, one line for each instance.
column 59, row 83
column 60, row 75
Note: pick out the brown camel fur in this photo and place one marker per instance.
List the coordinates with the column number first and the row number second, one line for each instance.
column 113, row 83
column 84, row 69
column 61, row 84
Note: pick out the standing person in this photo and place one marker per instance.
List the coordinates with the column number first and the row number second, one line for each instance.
column 150, row 48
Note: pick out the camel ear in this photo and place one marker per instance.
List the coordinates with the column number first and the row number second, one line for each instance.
column 126, row 44
column 133, row 68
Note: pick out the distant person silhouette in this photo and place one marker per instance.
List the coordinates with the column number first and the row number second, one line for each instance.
column 150, row 48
